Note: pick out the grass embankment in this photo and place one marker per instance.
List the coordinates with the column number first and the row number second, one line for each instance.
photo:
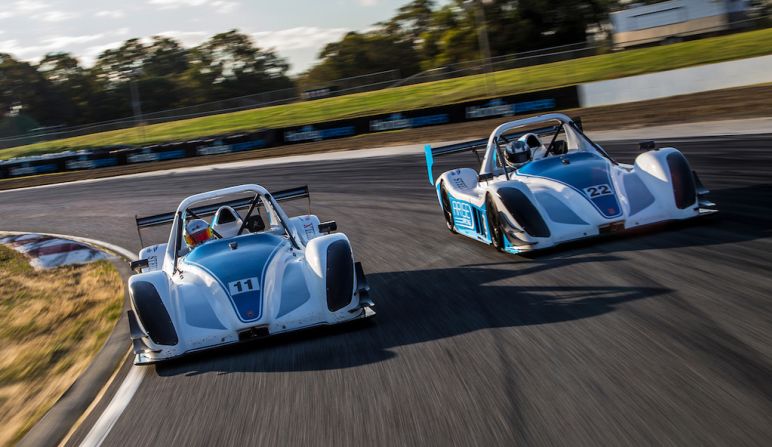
column 51, row 324
column 540, row 77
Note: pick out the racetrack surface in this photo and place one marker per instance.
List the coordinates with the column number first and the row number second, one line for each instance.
column 653, row 338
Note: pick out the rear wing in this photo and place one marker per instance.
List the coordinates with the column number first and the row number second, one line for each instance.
column 482, row 143
column 300, row 192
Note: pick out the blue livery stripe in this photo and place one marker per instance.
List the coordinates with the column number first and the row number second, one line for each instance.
column 585, row 172
column 248, row 261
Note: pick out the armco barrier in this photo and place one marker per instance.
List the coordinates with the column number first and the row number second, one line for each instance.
column 532, row 102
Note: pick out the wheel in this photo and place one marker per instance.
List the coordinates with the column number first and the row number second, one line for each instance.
column 445, row 200
column 494, row 226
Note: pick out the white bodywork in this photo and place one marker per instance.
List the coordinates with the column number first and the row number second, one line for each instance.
column 202, row 296
column 578, row 194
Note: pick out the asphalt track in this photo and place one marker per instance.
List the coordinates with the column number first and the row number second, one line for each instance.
column 663, row 337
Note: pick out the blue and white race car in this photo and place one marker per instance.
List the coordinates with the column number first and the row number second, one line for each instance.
column 237, row 278
column 544, row 182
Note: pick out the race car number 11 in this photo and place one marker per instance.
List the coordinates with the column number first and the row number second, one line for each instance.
column 243, row 286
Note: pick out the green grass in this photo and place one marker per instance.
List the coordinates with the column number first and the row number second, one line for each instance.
column 52, row 322
column 606, row 66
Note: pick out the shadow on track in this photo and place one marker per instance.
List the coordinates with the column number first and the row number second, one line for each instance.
column 419, row 306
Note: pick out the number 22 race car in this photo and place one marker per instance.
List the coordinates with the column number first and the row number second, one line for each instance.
column 238, row 278
column 543, row 182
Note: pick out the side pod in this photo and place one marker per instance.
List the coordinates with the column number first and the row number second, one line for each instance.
column 151, row 313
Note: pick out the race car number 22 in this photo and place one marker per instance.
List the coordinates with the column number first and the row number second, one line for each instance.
column 597, row 190
column 243, row 286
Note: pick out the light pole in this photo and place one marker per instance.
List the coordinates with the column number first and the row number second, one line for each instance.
column 136, row 102
column 482, row 38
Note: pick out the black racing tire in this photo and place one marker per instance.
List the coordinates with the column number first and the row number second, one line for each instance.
column 497, row 235
column 446, row 211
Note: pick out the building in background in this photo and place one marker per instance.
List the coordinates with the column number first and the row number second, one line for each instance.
column 674, row 20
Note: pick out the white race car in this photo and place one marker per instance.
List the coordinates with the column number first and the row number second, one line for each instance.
column 543, row 182
column 251, row 279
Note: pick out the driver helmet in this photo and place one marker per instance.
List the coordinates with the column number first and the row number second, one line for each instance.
column 197, row 232
column 517, row 153
column 534, row 143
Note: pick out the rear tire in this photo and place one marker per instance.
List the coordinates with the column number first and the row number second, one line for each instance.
column 494, row 226
column 446, row 209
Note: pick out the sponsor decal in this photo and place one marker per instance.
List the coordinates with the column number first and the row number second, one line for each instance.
column 494, row 107
column 148, row 155
column 531, row 106
column 499, row 107
column 142, row 157
column 397, row 121
column 462, row 215
column 310, row 133
column 83, row 162
column 26, row 169
column 247, row 145
column 213, row 150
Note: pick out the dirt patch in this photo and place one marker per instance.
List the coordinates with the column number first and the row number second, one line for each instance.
column 51, row 324
column 744, row 102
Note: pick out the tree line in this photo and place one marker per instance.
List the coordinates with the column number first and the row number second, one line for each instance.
column 59, row 91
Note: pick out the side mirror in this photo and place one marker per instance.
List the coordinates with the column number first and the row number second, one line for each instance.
column 647, row 145
column 255, row 224
column 328, row 227
column 137, row 266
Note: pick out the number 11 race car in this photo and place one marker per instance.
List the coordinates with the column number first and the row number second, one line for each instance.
column 543, row 182
column 237, row 278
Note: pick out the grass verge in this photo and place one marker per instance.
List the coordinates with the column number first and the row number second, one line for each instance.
column 52, row 322
column 606, row 66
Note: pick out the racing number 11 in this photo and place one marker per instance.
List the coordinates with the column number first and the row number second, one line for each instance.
column 243, row 286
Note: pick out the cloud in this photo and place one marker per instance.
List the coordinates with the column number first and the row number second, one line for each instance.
column 27, row 6
column 45, row 45
column 187, row 38
column 298, row 38
column 111, row 14
column 55, row 16
column 219, row 6
column 367, row 2
column 22, row 8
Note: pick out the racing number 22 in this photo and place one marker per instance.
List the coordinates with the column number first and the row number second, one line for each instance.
column 597, row 190
column 243, row 286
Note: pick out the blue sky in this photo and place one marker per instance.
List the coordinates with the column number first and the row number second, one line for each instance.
column 296, row 29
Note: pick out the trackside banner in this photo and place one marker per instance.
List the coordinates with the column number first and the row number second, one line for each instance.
column 511, row 105
column 525, row 103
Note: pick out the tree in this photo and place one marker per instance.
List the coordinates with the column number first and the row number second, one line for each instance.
column 363, row 53
column 71, row 86
column 414, row 19
column 122, row 64
column 164, row 57
column 229, row 64
column 24, row 92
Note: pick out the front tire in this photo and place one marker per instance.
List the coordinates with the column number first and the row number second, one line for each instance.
column 446, row 209
column 494, row 226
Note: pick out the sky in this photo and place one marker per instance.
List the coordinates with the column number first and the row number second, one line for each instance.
column 295, row 29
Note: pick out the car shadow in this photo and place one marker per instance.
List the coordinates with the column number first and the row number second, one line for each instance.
column 420, row 306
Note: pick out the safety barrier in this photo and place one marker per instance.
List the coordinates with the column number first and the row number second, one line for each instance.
column 100, row 157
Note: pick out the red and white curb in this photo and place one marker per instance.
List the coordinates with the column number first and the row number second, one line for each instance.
column 46, row 252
